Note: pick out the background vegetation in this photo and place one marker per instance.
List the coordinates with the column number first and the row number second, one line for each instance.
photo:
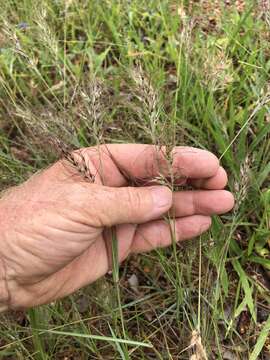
column 154, row 71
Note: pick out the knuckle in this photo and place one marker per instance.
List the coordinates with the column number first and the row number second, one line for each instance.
column 133, row 201
column 102, row 215
column 194, row 202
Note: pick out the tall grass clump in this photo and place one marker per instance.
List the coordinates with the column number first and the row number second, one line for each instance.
column 82, row 73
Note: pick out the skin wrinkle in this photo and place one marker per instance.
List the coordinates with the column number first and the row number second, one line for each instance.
column 38, row 289
column 194, row 203
column 63, row 283
column 5, row 294
column 134, row 201
column 55, row 232
column 23, row 249
column 102, row 216
column 10, row 249
column 35, row 206
column 96, row 196
column 57, row 229
column 73, row 285
column 82, row 222
column 38, row 286
column 15, row 266
column 67, row 264
column 37, row 255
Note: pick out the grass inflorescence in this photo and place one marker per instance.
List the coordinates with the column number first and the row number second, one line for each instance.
column 81, row 73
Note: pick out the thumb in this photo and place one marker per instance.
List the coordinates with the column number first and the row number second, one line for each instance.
column 132, row 205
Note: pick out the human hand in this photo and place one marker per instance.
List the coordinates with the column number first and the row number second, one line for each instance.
column 55, row 228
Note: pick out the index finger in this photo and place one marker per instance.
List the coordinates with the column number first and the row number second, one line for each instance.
column 119, row 164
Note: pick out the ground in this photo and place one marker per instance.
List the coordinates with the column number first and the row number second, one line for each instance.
column 77, row 73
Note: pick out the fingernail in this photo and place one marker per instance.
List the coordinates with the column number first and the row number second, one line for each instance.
column 162, row 197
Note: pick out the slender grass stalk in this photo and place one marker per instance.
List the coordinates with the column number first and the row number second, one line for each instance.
column 115, row 272
column 37, row 340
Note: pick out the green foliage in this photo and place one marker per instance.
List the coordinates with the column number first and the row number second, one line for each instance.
column 96, row 71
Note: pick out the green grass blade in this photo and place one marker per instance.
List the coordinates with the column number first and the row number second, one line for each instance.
column 261, row 341
column 98, row 337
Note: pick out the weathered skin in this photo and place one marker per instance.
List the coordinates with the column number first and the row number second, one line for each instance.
column 55, row 228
